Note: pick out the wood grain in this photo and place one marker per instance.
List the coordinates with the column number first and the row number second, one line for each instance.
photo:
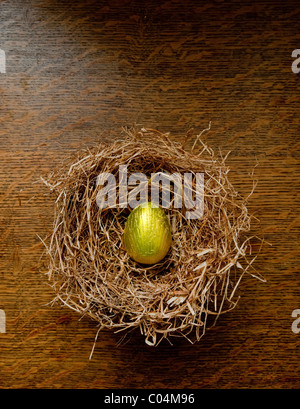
column 76, row 73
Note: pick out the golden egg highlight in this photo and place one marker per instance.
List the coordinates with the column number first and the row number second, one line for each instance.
column 147, row 235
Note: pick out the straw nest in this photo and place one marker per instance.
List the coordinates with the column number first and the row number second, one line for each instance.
column 186, row 292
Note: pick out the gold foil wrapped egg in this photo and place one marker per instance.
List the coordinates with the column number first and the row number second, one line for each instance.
column 147, row 235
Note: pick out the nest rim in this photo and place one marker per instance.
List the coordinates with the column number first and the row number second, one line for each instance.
column 91, row 272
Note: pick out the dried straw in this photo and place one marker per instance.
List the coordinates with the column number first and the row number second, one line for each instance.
column 184, row 294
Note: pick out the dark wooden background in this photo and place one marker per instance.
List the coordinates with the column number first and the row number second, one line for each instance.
column 76, row 73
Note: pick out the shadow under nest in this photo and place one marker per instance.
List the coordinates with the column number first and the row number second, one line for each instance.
column 91, row 271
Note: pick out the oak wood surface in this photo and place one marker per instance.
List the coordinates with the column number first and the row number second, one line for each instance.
column 76, row 73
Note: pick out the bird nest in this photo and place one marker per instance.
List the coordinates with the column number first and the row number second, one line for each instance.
column 182, row 295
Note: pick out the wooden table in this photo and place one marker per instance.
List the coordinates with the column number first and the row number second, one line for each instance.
column 76, row 73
